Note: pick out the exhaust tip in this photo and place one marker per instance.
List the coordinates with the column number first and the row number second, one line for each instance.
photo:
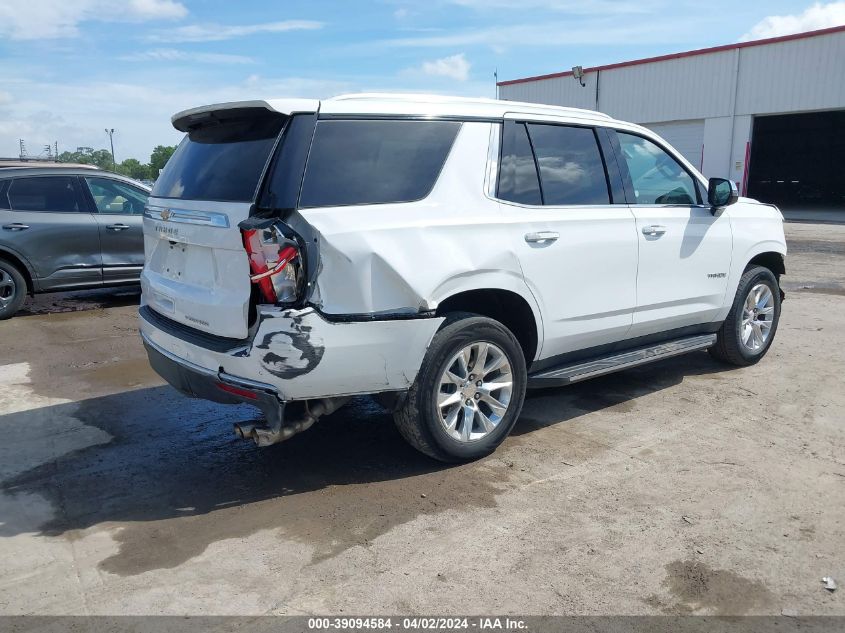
column 244, row 431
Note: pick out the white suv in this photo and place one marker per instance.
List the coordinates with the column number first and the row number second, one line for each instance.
column 443, row 253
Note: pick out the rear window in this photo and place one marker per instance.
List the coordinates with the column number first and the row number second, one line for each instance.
column 375, row 162
column 222, row 160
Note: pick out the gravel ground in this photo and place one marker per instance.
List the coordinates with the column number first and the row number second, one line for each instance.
column 680, row 487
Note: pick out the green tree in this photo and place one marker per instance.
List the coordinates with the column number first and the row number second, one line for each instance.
column 88, row 156
column 158, row 159
column 134, row 168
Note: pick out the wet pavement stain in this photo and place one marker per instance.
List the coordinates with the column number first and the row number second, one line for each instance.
column 174, row 480
column 722, row 592
column 80, row 301
column 123, row 374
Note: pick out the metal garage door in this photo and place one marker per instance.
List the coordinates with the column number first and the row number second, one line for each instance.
column 685, row 136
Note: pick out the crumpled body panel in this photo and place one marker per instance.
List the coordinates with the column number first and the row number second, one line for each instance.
column 406, row 258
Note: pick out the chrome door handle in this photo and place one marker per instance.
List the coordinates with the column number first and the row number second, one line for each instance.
column 15, row 226
column 542, row 236
column 654, row 230
column 117, row 227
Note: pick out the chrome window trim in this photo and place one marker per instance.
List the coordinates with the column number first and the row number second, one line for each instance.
column 186, row 216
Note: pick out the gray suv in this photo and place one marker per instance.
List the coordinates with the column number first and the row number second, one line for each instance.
column 67, row 229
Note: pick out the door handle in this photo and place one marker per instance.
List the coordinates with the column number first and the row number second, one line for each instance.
column 654, row 230
column 117, row 227
column 542, row 236
column 15, row 226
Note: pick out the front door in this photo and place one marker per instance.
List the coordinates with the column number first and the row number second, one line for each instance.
column 49, row 224
column 119, row 214
column 577, row 249
column 684, row 250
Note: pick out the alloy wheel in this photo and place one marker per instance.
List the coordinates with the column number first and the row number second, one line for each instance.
column 475, row 391
column 758, row 314
column 7, row 288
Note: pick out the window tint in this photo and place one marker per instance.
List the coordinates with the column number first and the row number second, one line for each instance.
column 518, row 180
column 281, row 189
column 571, row 169
column 656, row 176
column 373, row 162
column 44, row 193
column 112, row 196
column 220, row 161
column 4, row 198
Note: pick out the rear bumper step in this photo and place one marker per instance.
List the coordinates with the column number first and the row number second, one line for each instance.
column 567, row 374
column 191, row 335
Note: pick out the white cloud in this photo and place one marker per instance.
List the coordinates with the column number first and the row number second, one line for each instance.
column 174, row 55
column 455, row 67
column 47, row 19
column 818, row 16
column 219, row 32
column 578, row 7
column 42, row 111
column 556, row 34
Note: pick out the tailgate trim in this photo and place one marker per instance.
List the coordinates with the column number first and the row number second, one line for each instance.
column 220, row 344
column 186, row 216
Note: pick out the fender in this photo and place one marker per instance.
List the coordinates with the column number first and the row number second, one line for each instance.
column 742, row 260
column 510, row 280
column 33, row 277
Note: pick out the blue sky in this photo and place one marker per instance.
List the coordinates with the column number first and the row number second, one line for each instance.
column 70, row 68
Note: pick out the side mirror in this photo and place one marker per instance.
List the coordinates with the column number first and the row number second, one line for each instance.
column 721, row 192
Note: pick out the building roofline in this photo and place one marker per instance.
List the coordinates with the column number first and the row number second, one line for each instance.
column 699, row 51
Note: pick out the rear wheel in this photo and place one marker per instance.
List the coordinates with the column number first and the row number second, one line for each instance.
column 749, row 330
column 12, row 289
column 469, row 390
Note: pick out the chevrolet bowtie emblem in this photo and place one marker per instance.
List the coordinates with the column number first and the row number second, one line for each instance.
column 165, row 215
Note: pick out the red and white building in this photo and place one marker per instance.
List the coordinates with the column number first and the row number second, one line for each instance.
column 770, row 114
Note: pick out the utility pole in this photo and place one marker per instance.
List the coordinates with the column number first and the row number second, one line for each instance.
column 23, row 149
column 110, row 132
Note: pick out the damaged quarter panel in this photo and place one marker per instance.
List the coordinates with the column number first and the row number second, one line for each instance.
column 315, row 357
column 292, row 350
column 414, row 255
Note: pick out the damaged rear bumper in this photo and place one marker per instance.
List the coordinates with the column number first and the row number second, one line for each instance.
column 218, row 386
column 293, row 355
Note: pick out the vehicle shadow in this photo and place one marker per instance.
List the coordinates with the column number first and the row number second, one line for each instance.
column 175, row 480
column 96, row 299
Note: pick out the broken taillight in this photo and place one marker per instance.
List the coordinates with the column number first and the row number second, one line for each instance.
column 274, row 264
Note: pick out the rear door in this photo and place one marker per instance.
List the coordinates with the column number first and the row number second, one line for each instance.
column 197, row 270
column 49, row 224
column 685, row 251
column 576, row 242
column 119, row 212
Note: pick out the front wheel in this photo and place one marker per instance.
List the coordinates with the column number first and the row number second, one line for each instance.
column 749, row 330
column 468, row 393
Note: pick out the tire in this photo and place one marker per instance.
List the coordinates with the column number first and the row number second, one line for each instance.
column 12, row 289
column 419, row 419
column 731, row 346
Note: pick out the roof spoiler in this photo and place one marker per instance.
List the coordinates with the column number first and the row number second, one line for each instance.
column 189, row 119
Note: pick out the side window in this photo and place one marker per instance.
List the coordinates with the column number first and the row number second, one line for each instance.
column 44, row 193
column 656, row 176
column 570, row 164
column 4, row 197
column 518, row 181
column 113, row 196
column 375, row 162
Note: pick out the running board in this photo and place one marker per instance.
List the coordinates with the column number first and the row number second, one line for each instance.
column 567, row 374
